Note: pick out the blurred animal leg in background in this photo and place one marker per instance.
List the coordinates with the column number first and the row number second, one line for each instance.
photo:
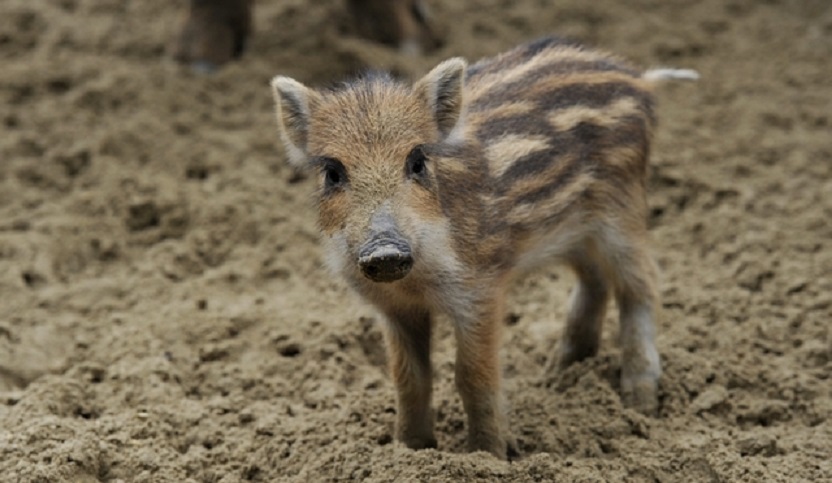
column 405, row 24
column 214, row 32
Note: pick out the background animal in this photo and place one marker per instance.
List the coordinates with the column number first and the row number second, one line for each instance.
column 217, row 31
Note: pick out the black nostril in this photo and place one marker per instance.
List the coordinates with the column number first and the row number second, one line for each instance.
column 371, row 270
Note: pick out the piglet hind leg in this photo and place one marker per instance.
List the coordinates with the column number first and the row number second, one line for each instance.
column 478, row 381
column 408, row 334
column 636, row 295
column 587, row 308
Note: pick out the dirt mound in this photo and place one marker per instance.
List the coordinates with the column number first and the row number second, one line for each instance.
column 165, row 314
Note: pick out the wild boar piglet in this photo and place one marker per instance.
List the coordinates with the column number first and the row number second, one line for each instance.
column 435, row 196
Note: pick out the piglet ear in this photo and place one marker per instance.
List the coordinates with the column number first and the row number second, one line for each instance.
column 292, row 104
column 442, row 90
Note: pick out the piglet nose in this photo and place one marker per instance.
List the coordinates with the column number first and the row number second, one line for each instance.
column 385, row 262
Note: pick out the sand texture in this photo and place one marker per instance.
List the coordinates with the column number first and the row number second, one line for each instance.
column 165, row 315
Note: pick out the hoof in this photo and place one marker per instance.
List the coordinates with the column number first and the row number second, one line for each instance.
column 512, row 450
column 641, row 394
column 504, row 449
column 416, row 443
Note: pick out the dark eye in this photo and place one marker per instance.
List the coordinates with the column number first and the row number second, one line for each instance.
column 335, row 175
column 415, row 164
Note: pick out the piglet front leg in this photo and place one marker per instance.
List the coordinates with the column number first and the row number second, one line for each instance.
column 478, row 380
column 408, row 334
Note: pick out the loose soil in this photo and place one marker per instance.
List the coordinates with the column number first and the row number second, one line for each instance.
column 165, row 315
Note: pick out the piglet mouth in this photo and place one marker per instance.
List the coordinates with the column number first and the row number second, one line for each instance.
column 385, row 258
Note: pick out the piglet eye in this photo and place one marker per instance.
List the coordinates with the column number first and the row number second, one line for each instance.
column 415, row 164
column 335, row 175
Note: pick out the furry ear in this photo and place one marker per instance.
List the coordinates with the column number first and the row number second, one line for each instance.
column 292, row 101
column 442, row 90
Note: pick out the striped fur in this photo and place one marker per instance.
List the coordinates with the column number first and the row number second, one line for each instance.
column 536, row 155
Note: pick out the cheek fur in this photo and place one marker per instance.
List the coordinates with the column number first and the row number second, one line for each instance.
column 336, row 253
column 333, row 211
column 422, row 203
column 417, row 212
column 428, row 230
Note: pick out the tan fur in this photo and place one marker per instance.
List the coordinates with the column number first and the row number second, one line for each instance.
column 537, row 155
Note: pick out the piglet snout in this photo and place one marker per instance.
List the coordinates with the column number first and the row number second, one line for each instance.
column 385, row 258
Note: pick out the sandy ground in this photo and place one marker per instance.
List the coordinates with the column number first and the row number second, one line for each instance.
column 165, row 316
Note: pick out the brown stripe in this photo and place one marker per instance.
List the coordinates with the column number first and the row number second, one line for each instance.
column 523, row 75
column 504, row 152
column 589, row 141
column 524, row 53
column 607, row 116
column 520, row 107
column 533, row 164
column 588, row 95
column 595, row 96
column 569, row 172
column 531, row 124
column 560, row 73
